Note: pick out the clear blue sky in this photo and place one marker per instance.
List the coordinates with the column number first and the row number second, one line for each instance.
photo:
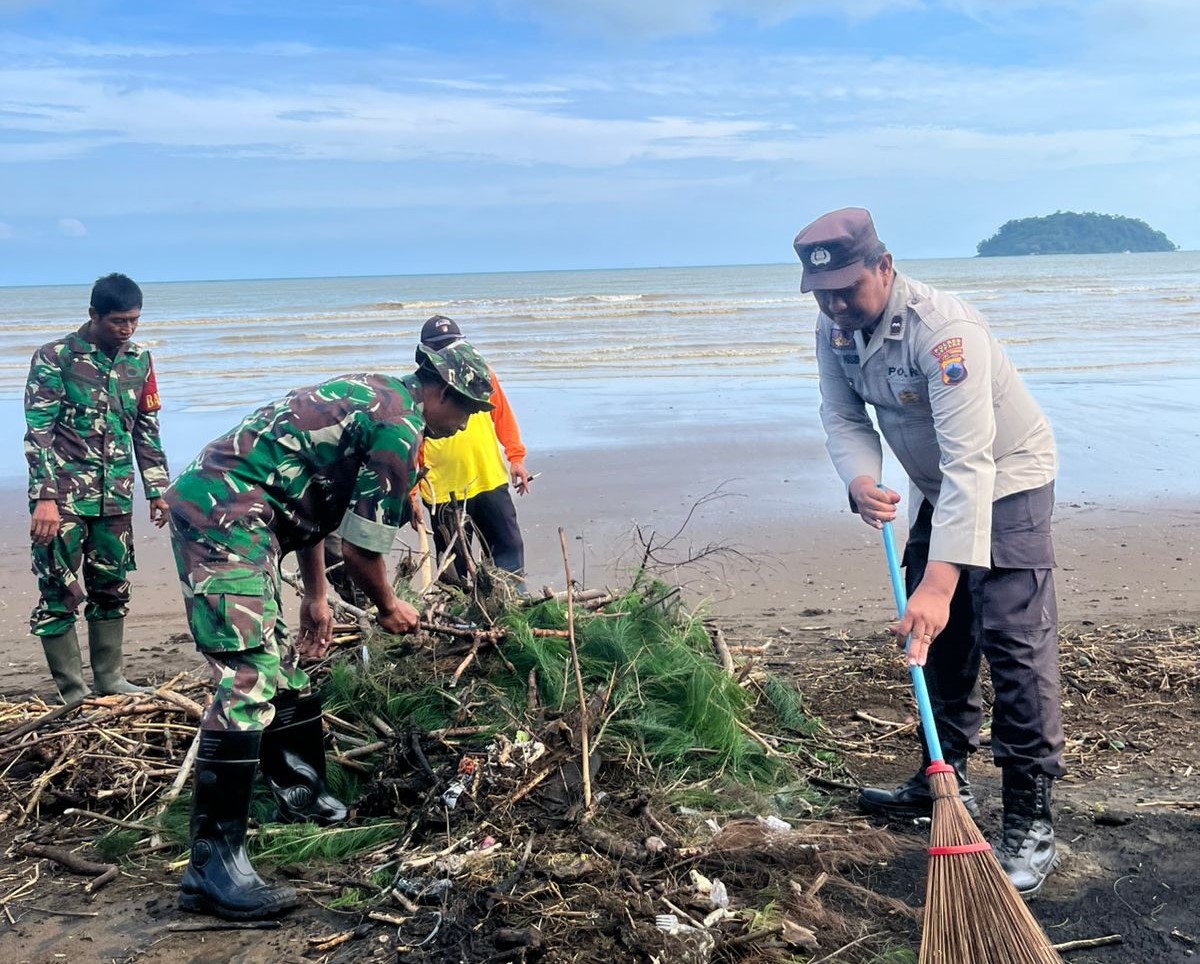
column 265, row 138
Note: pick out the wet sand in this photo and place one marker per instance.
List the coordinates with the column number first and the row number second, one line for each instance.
column 793, row 555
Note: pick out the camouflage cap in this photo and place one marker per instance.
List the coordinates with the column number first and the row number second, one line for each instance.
column 462, row 368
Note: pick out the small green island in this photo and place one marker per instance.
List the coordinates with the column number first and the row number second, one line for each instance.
column 1066, row 232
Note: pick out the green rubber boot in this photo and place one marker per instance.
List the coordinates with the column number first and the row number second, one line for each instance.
column 66, row 665
column 105, row 639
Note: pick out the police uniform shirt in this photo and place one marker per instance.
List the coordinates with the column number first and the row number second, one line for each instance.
column 949, row 403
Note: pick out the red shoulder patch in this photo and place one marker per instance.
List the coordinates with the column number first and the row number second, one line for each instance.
column 150, row 402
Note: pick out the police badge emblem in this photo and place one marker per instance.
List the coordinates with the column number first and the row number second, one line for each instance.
column 818, row 257
column 841, row 338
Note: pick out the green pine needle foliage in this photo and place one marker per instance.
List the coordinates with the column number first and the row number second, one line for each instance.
column 298, row 843
column 788, row 707
column 117, row 843
column 672, row 708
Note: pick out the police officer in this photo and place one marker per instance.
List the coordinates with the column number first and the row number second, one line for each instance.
column 980, row 459
column 340, row 456
column 91, row 409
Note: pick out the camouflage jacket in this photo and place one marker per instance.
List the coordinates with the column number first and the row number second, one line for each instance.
column 341, row 456
column 87, row 417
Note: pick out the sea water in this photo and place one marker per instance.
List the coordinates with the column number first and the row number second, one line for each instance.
column 660, row 356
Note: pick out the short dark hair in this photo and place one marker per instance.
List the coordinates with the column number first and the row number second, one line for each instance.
column 875, row 256
column 115, row 292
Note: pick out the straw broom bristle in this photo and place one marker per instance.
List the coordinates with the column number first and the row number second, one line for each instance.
column 973, row 914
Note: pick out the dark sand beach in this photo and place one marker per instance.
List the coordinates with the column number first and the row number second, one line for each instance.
column 806, row 577
column 797, row 549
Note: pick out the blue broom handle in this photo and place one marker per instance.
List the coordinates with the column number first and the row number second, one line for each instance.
column 928, row 727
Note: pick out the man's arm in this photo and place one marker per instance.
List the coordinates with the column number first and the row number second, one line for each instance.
column 147, row 446
column 316, row 620
column 850, row 437
column 43, row 403
column 508, row 433
column 957, row 361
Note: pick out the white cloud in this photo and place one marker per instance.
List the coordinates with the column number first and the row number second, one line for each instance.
column 335, row 122
column 827, row 112
column 636, row 130
column 72, row 228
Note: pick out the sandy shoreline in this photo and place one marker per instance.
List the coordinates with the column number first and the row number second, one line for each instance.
column 780, row 506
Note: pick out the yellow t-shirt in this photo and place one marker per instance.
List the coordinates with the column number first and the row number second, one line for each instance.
column 464, row 464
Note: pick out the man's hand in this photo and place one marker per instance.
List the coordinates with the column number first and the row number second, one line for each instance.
column 316, row 627
column 876, row 504
column 416, row 517
column 928, row 611
column 399, row 619
column 519, row 476
column 158, row 512
column 45, row 523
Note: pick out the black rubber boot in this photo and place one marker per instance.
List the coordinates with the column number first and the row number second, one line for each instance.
column 219, row 879
column 1025, row 847
column 912, row 799
column 293, row 762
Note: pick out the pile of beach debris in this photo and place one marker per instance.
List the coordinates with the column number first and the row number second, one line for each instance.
column 586, row 776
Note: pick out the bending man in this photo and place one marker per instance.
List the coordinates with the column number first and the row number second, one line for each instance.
column 980, row 457
column 340, row 456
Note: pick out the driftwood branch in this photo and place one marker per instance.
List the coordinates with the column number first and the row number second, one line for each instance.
column 585, row 765
column 100, row 873
column 1087, row 943
column 19, row 731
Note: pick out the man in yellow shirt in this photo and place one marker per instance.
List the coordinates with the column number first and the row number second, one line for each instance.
column 468, row 470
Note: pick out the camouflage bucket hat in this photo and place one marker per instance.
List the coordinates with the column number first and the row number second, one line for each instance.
column 462, row 368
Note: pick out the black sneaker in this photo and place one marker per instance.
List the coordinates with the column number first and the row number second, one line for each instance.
column 912, row 799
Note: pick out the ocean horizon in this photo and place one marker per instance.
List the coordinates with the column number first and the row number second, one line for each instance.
column 620, row 358
column 543, row 271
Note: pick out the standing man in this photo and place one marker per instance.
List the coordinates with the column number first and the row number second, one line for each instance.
column 980, row 457
column 340, row 456
column 467, row 471
column 91, row 408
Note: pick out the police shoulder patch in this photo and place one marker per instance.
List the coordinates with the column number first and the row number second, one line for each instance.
column 951, row 360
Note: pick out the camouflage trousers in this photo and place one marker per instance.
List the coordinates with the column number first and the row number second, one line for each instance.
column 104, row 547
column 230, row 583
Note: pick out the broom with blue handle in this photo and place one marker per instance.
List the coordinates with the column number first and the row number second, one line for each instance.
column 972, row 911
column 932, row 743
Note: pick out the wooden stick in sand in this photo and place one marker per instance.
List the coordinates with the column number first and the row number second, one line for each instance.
column 425, row 572
column 585, row 741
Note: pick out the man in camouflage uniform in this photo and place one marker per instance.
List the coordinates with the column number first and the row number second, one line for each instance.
column 340, row 456
column 91, row 408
